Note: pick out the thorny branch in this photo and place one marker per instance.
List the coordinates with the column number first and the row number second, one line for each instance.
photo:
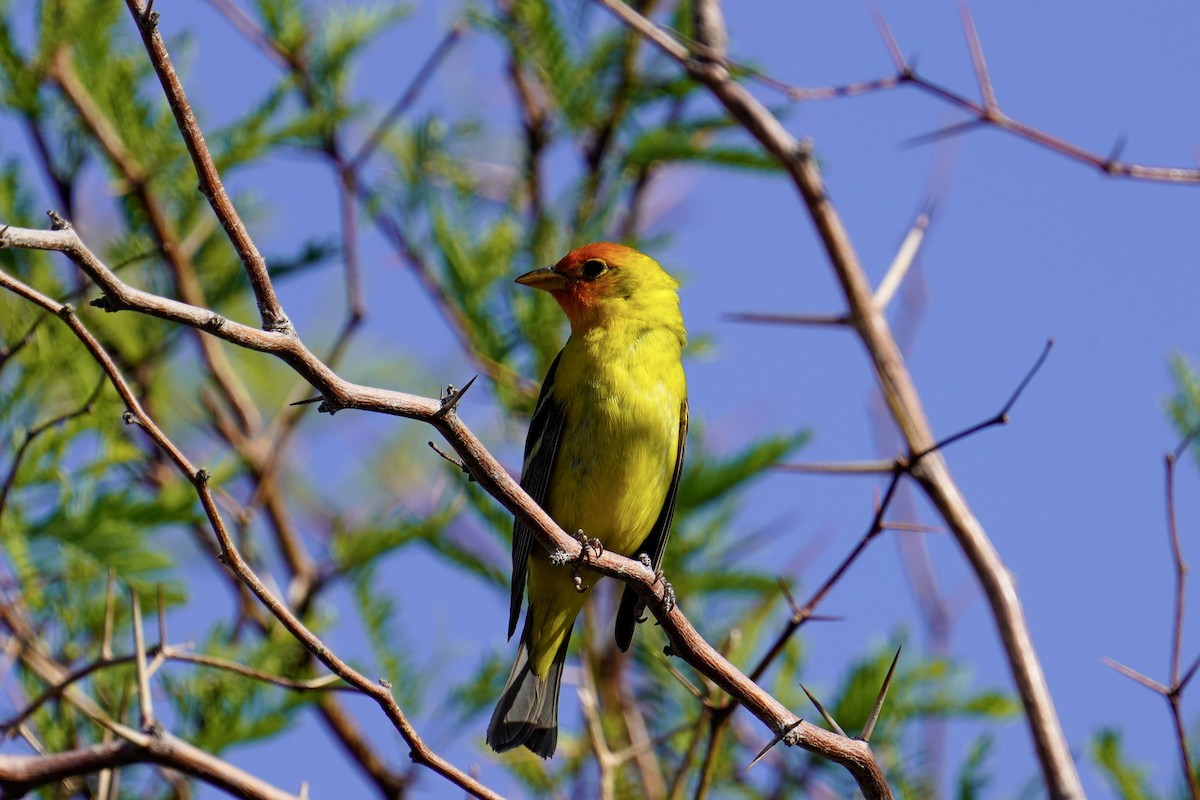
column 289, row 347
column 273, row 318
column 20, row 774
column 899, row 468
column 983, row 113
column 261, row 450
column 1179, row 680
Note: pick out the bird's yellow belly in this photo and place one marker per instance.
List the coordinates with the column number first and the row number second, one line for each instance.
column 611, row 476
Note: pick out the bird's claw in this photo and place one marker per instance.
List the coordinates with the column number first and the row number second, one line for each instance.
column 668, row 589
column 589, row 548
column 668, row 596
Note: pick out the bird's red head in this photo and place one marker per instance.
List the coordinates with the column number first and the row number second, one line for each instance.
column 601, row 282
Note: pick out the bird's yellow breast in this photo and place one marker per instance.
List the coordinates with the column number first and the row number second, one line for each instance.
column 621, row 387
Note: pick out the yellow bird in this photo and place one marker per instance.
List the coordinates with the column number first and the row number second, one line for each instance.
column 603, row 456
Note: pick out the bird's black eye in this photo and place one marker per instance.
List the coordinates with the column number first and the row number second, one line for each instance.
column 593, row 268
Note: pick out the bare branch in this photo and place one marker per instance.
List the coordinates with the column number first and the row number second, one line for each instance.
column 378, row 691
column 145, row 702
column 983, row 113
column 904, row 259
column 273, row 317
column 21, row 774
column 410, row 94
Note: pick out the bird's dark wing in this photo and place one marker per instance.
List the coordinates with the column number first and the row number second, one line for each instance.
column 655, row 543
column 541, row 446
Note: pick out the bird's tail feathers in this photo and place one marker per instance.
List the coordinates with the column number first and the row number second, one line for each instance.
column 527, row 713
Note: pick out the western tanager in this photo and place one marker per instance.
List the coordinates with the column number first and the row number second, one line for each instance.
column 603, row 456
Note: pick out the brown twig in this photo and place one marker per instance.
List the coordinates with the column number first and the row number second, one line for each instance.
column 1173, row 693
column 273, row 317
column 985, row 113
column 21, row 774
column 409, row 96
column 145, row 702
column 7, row 351
column 165, row 652
column 183, row 271
column 33, row 433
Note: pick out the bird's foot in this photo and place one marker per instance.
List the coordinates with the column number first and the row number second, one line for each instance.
column 668, row 589
column 668, row 595
column 589, row 548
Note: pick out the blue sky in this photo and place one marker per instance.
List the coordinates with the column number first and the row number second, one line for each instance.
column 1025, row 245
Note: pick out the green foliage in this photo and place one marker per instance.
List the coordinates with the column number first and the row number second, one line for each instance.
column 220, row 709
column 707, row 478
column 1128, row 781
column 972, row 779
column 1184, row 406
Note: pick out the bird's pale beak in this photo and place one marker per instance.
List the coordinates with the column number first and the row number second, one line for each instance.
column 548, row 279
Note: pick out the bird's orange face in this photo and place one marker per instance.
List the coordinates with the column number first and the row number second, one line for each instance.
column 584, row 277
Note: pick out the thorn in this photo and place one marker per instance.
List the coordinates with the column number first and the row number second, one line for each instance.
column 787, row 593
column 162, row 618
column 1187, row 676
column 943, row 133
column 1114, row 155
column 869, row 728
column 789, row 319
column 828, row 717
column 57, row 223
column 906, row 255
column 316, row 399
column 778, row 738
column 1137, row 677
column 450, row 397
column 889, row 41
column 978, row 62
column 1001, row 418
